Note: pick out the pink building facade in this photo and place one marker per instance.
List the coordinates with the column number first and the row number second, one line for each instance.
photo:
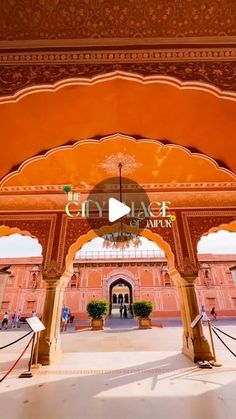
column 100, row 278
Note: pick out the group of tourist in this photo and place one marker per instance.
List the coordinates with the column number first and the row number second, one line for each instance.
column 212, row 312
column 15, row 319
column 124, row 311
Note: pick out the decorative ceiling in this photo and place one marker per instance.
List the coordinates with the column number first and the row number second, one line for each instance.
column 44, row 41
column 188, row 44
column 201, row 120
column 81, row 19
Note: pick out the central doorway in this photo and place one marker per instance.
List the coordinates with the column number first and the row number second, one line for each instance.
column 120, row 292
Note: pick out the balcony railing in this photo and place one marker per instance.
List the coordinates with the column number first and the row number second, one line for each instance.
column 120, row 255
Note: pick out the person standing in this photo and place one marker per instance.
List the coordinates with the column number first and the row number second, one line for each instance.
column 121, row 310
column 5, row 320
column 15, row 320
column 125, row 312
column 130, row 309
column 213, row 313
column 64, row 317
column 204, row 315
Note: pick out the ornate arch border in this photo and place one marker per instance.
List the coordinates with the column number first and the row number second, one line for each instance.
column 155, row 237
column 231, row 227
column 89, row 81
column 113, row 276
column 8, row 231
column 77, row 144
column 45, row 241
column 128, row 277
column 186, row 216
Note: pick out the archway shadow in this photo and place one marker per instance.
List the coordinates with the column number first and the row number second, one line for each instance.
column 168, row 387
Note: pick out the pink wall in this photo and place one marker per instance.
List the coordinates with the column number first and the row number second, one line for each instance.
column 215, row 286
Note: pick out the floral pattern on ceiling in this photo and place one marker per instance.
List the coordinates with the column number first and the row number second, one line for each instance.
column 76, row 19
column 129, row 163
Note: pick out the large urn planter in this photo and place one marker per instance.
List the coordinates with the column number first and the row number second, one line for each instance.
column 97, row 324
column 97, row 310
column 142, row 310
column 144, row 323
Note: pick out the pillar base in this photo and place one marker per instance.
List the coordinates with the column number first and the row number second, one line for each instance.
column 196, row 349
column 49, row 353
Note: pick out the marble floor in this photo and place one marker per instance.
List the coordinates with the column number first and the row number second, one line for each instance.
column 120, row 372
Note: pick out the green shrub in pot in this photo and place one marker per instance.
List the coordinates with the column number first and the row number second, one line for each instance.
column 142, row 309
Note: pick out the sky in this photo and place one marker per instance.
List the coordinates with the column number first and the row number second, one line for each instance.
column 222, row 242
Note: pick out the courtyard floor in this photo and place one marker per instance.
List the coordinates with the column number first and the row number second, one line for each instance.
column 121, row 372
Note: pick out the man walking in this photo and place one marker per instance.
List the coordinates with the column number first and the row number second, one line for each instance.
column 64, row 317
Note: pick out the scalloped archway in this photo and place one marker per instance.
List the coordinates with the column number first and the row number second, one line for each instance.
column 156, row 238
column 60, row 165
column 184, row 113
column 228, row 227
column 7, row 231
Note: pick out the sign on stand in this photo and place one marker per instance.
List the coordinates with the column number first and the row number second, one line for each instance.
column 35, row 324
column 196, row 320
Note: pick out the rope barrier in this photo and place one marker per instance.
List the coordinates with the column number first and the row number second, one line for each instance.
column 226, row 334
column 223, row 342
column 13, row 366
column 15, row 341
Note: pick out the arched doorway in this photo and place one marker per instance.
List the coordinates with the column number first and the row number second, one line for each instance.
column 189, row 307
column 120, row 292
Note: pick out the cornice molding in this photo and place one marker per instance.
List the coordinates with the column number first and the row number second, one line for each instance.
column 81, row 56
column 58, row 189
column 99, row 43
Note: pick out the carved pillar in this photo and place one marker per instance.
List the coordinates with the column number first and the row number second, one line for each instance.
column 195, row 345
column 49, row 342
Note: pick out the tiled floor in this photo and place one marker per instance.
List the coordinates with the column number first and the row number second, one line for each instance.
column 121, row 373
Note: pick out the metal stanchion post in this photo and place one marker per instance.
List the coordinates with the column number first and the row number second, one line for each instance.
column 28, row 374
column 215, row 363
column 36, row 326
column 36, row 351
column 32, row 353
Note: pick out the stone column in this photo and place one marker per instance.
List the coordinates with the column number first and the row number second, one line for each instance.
column 195, row 345
column 49, row 342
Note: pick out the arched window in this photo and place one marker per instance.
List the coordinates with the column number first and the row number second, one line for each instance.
column 167, row 279
column 114, row 299
column 126, row 298
column 120, row 298
column 33, row 282
column 206, row 274
column 73, row 281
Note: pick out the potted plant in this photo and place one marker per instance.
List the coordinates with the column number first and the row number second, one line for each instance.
column 142, row 310
column 97, row 310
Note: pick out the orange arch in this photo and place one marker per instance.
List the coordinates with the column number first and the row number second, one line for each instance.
column 231, row 227
column 8, row 231
column 155, row 237
column 59, row 165
column 191, row 116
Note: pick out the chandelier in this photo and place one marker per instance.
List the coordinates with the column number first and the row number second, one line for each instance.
column 121, row 240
